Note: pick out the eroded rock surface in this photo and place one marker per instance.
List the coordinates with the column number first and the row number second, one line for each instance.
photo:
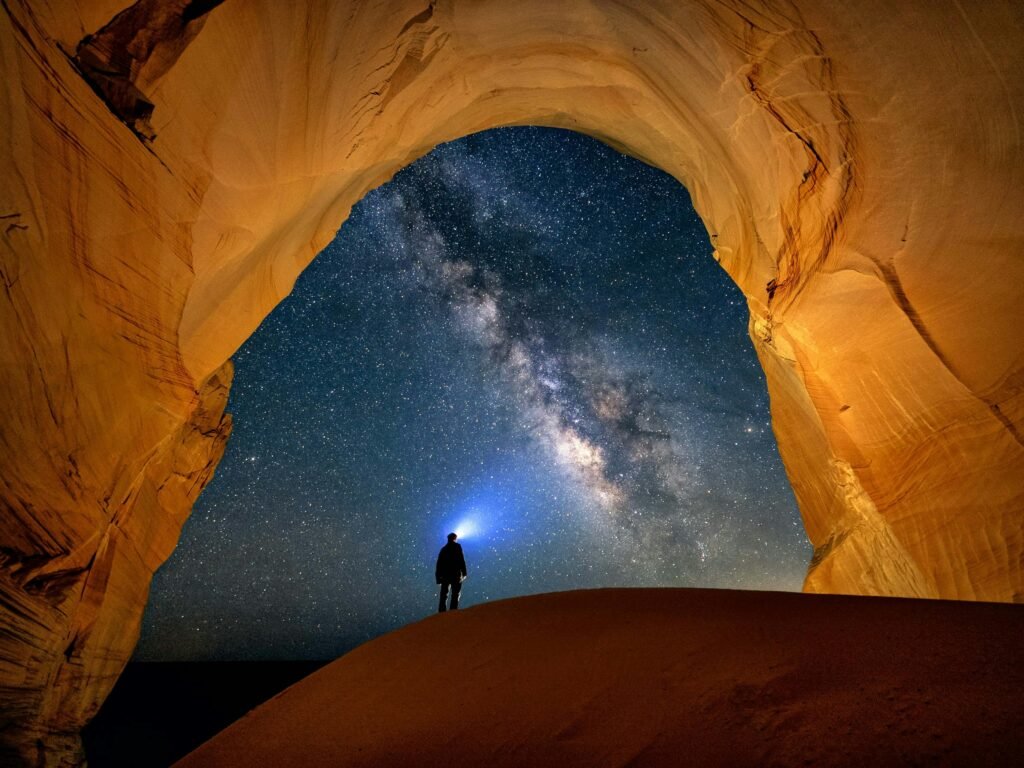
column 858, row 166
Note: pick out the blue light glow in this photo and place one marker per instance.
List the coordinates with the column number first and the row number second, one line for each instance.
column 469, row 526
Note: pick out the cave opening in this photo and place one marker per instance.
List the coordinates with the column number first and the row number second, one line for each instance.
column 522, row 337
column 884, row 306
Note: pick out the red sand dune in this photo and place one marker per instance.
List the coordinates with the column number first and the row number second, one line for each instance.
column 659, row 677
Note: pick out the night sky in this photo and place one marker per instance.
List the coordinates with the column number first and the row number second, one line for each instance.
column 523, row 338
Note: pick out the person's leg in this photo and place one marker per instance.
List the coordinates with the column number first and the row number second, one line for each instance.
column 441, row 606
column 456, row 588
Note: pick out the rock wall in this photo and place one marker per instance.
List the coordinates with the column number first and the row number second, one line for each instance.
column 170, row 168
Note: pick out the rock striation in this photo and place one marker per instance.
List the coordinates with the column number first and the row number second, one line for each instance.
column 169, row 168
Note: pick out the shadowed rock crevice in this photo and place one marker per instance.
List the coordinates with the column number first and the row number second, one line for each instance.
column 128, row 56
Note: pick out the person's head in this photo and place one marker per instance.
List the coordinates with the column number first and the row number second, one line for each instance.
column 452, row 536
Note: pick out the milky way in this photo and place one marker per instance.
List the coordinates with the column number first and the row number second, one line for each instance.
column 522, row 337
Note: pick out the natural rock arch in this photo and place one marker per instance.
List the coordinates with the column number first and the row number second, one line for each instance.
column 170, row 169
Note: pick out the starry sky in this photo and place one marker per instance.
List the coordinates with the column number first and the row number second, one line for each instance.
column 523, row 338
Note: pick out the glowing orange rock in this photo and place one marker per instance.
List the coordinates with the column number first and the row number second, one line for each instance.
column 168, row 172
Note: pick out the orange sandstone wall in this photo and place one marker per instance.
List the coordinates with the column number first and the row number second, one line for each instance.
column 168, row 170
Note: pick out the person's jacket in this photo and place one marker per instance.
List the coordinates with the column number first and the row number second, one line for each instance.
column 451, row 564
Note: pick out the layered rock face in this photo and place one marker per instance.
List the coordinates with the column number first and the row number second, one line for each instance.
column 169, row 169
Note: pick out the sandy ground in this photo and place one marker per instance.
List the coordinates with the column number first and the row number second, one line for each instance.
column 659, row 677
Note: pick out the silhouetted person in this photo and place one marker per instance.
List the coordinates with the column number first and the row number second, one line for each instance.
column 450, row 571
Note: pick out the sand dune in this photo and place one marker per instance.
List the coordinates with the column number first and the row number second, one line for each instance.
column 659, row 677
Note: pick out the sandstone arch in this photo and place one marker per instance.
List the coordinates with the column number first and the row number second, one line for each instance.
column 859, row 170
